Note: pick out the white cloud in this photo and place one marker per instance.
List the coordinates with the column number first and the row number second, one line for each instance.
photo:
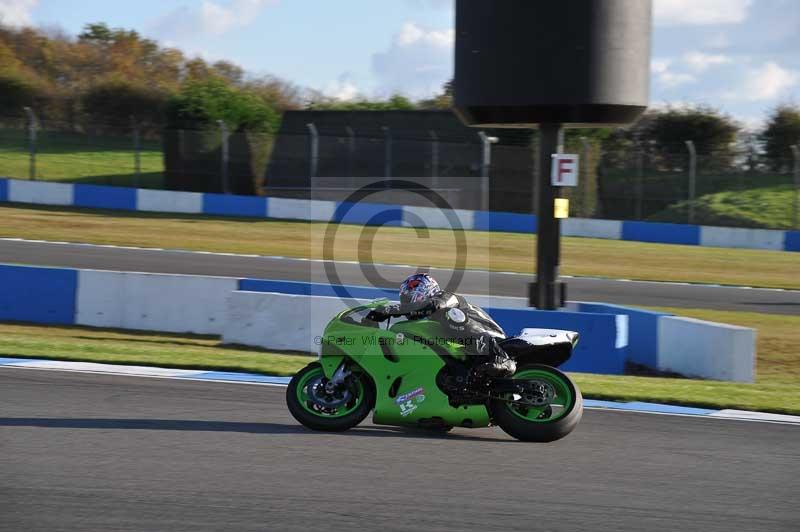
column 342, row 89
column 768, row 82
column 17, row 12
column 700, row 62
column 667, row 78
column 701, row 12
column 418, row 61
column 209, row 18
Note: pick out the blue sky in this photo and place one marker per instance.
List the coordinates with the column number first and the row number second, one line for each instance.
column 742, row 56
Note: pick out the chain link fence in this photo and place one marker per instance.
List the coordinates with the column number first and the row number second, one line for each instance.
column 470, row 169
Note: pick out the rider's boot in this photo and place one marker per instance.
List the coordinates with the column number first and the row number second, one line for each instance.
column 499, row 364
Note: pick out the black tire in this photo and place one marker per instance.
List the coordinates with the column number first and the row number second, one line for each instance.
column 320, row 422
column 539, row 431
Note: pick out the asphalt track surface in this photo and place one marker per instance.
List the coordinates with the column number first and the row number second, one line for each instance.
column 99, row 453
column 473, row 282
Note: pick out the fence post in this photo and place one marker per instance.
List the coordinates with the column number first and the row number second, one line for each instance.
column 313, row 158
column 692, row 178
column 434, row 159
column 640, row 183
column 32, row 127
column 351, row 155
column 387, row 141
column 587, row 153
column 796, row 209
column 223, row 129
column 486, row 164
column 137, row 153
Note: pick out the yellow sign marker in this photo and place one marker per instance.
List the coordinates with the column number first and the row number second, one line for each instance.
column 561, row 208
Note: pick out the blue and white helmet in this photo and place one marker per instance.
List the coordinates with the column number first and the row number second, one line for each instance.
column 417, row 288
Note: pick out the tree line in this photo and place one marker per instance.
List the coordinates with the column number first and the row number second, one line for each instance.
column 108, row 77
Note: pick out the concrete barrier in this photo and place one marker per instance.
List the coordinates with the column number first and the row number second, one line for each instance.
column 708, row 350
column 603, row 345
column 169, row 201
column 153, row 302
column 40, row 192
column 642, row 326
column 300, row 209
column 581, row 227
column 288, row 315
column 251, row 320
column 434, row 218
column 38, row 295
column 104, row 197
column 730, row 237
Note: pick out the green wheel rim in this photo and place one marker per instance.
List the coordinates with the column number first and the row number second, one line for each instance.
column 560, row 406
column 305, row 400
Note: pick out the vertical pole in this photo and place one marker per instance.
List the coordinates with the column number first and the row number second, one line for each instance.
column 313, row 156
column 32, row 126
column 692, row 178
column 223, row 130
column 584, row 188
column 137, row 153
column 387, row 160
column 796, row 209
column 639, row 183
column 434, row 159
column 486, row 164
column 351, row 155
column 543, row 292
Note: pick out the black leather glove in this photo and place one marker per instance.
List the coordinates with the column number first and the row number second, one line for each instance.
column 382, row 314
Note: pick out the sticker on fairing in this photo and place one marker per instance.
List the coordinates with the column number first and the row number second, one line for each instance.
column 408, row 402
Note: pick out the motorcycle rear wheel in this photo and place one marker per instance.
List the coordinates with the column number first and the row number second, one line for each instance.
column 310, row 413
column 540, row 423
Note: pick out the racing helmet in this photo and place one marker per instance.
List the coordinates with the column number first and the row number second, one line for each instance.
column 417, row 288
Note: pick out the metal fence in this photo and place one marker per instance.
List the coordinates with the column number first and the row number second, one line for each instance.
column 487, row 170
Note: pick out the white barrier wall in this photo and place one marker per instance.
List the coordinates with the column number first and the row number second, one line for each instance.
column 587, row 228
column 300, row 209
column 434, row 218
column 40, row 192
column 698, row 348
column 251, row 320
column 169, row 201
column 731, row 237
column 154, row 302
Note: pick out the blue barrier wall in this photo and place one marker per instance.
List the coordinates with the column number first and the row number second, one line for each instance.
column 504, row 221
column 368, row 214
column 642, row 330
column 38, row 295
column 661, row 233
column 792, row 242
column 603, row 346
column 230, row 205
column 105, row 197
column 315, row 289
column 100, row 197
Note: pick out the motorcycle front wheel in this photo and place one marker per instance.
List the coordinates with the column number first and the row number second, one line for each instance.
column 318, row 405
column 549, row 415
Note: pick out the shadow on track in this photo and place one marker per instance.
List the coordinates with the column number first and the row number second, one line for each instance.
column 227, row 426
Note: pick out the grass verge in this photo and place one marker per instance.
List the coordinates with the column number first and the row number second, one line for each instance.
column 85, row 344
column 777, row 388
column 485, row 250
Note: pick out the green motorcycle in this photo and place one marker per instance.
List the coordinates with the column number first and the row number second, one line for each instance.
column 411, row 374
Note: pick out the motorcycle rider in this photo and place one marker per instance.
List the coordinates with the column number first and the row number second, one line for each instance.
column 421, row 297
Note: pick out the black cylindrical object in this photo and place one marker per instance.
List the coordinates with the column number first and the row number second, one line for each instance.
column 575, row 62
